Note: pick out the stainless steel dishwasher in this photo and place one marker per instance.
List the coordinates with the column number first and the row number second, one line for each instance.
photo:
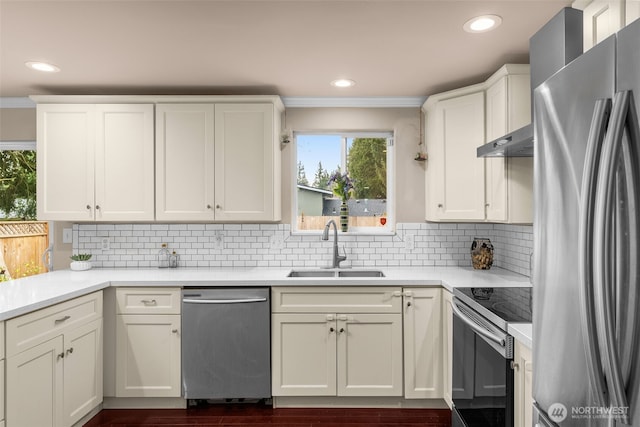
column 226, row 343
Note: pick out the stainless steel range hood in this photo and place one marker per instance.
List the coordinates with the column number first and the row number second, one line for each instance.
column 518, row 143
column 551, row 48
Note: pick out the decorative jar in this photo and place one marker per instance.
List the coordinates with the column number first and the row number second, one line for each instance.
column 481, row 253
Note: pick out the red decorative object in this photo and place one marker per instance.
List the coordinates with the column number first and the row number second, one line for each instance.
column 383, row 220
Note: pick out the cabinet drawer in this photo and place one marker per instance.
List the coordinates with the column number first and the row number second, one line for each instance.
column 336, row 300
column 34, row 328
column 148, row 300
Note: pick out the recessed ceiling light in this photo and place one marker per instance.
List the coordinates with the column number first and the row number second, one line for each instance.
column 343, row 83
column 42, row 66
column 483, row 23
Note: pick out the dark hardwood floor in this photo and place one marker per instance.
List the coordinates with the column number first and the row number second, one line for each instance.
column 260, row 415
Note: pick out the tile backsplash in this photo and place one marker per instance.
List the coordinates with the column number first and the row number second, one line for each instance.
column 273, row 245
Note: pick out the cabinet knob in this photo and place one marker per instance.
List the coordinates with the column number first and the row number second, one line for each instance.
column 408, row 303
column 341, row 330
column 487, row 205
column 440, row 205
column 514, row 366
column 97, row 207
column 61, row 355
column 175, row 331
column 331, row 330
column 69, row 351
column 208, row 206
column 89, row 207
column 218, row 207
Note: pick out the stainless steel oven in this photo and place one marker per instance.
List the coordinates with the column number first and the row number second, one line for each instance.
column 482, row 387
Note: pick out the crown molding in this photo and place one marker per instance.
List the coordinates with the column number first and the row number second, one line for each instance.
column 16, row 102
column 354, row 102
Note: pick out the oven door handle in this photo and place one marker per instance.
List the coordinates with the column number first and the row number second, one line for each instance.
column 477, row 328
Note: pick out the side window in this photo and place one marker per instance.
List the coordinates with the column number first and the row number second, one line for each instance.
column 22, row 239
column 354, row 167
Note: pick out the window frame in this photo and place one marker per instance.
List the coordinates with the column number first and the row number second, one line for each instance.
column 390, row 227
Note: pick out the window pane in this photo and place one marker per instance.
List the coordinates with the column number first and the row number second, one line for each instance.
column 319, row 157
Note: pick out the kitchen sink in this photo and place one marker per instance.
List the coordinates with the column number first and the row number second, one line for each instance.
column 360, row 273
column 312, row 273
column 336, row 273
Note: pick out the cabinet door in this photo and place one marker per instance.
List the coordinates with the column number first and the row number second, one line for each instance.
column 370, row 355
column 245, row 166
column 65, row 162
column 124, row 162
column 422, row 344
column 459, row 190
column 601, row 19
column 523, row 396
column 495, row 179
column 447, row 347
column 34, row 386
column 303, row 354
column 184, row 162
column 82, row 371
column 148, row 355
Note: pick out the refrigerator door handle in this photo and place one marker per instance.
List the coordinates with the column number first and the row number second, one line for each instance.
column 597, row 133
column 604, row 257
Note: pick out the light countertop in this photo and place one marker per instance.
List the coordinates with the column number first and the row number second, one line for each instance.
column 522, row 332
column 24, row 295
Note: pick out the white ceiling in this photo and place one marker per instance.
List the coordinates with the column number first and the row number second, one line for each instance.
column 292, row 48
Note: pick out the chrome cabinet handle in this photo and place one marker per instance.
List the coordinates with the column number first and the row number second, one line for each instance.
column 148, row 302
column 62, row 319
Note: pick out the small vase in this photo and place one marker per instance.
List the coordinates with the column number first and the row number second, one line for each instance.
column 344, row 216
column 80, row 265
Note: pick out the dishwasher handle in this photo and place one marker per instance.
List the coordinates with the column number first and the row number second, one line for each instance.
column 222, row 301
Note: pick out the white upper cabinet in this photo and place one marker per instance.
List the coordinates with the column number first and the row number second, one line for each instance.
column 455, row 176
column 460, row 186
column 602, row 18
column 184, row 162
column 508, row 181
column 217, row 162
column 95, row 162
column 247, row 164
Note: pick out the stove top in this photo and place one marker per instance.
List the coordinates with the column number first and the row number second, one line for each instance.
column 510, row 305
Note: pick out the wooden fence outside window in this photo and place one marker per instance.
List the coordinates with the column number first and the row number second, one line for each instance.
column 22, row 244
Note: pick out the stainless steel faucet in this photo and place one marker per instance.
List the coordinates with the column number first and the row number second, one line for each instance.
column 337, row 259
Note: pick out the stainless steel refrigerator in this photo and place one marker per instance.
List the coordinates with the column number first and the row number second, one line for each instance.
column 586, row 309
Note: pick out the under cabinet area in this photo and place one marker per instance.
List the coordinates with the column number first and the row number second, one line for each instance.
column 147, row 340
column 95, row 162
column 54, row 357
column 336, row 341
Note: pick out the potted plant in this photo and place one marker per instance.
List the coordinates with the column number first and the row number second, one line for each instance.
column 80, row 262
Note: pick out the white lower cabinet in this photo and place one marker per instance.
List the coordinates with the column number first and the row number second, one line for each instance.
column 523, row 385
column 320, row 353
column 148, row 342
column 447, row 347
column 57, row 378
column 423, row 343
